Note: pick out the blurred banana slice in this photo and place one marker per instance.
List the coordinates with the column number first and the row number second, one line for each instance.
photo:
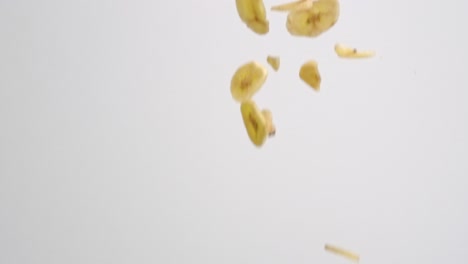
column 274, row 62
column 270, row 127
column 296, row 5
column 258, row 123
column 310, row 74
column 247, row 80
column 253, row 14
column 314, row 21
column 310, row 18
column 345, row 51
column 342, row 252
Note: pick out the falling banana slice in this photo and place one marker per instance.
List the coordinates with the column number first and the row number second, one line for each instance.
column 255, row 122
column 310, row 18
column 253, row 14
column 310, row 74
column 345, row 51
column 342, row 252
column 300, row 4
column 314, row 21
column 274, row 62
column 247, row 80
column 270, row 127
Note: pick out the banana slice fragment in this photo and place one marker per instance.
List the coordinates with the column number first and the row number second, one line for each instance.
column 247, row 80
column 270, row 127
column 258, row 123
column 310, row 74
column 274, row 62
column 253, row 14
column 345, row 51
column 310, row 18
column 342, row 252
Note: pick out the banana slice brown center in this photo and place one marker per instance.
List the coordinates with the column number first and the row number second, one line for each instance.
column 253, row 122
column 245, row 84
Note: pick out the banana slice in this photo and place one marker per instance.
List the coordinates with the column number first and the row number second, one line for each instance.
column 310, row 74
column 274, row 62
column 310, row 18
column 300, row 4
column 345, row 51
column 257, row 123
column 270, row 127
column 247, row 80
column 342, row 252
column 253, row 14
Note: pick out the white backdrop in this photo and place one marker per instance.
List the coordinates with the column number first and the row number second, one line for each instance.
column 120, row 142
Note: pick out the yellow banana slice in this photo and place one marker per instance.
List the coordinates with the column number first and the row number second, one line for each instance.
column 247, row 80
column 270, row 127
column 274, row 62
column 259, row 124
column 300, row 4
column 345, row 51
column 310, row 74
column 253, row 14
column 310, row 18
column 342, row 252
column 254, row 122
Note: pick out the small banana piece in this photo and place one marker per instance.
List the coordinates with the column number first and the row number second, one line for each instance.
column 310, row 74
column 255, row 122
column 342, row 252
column 274, row 62
column 310, row 18
column 247, row 80
column 345, row 51
column 253, row 14
column 270, row 127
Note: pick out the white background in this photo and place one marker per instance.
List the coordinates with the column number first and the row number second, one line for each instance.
column 120, row 141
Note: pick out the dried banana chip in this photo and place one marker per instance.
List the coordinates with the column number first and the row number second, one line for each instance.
column 342, row 252
column 270, row 126
column 258, row 123
column 247, row 80
column 345, row 51
column 253, row 14
column 274, row 62
column 310, row 18
column 310, row 74
column 292, row 6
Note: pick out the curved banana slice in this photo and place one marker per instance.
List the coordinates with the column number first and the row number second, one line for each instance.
column 315, row 20
column 259, row 124
column 253, row 14
column 247, row 80
column 254, row 122
column 300, row 4
column 310, row 74
column 274, row 62
column 344, row 51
